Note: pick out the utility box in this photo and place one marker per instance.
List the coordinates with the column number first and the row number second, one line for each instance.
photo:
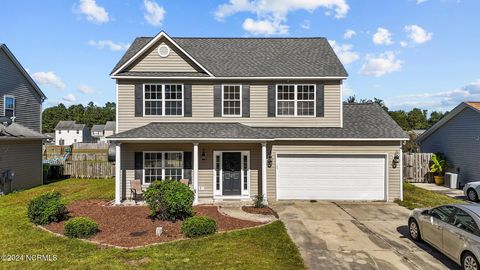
column 451, row 180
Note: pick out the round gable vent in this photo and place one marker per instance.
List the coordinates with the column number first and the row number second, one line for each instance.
column 163, row 50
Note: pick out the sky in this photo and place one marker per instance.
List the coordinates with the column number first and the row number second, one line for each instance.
column 410, row 53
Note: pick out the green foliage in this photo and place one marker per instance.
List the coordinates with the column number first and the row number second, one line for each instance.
column 401, row 118
column 438, row 164
column 258, row 201
column 411, row 146
column 47, row 208
column 169, row 200
column 89, row 115
column 80, row 227
column 417, row 119
column 199, row 226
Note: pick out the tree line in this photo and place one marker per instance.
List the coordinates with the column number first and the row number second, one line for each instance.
column 416, row 118
column 89, row 115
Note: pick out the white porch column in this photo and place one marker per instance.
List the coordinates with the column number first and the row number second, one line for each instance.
column 118, row 174
column 264, row 173
column 195, row 172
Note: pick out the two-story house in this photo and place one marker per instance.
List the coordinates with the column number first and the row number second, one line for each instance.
column 100, row 132
column 69, row 132
column 20, row 126
column 240, row 117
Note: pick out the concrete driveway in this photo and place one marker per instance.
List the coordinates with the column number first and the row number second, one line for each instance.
column 346, row 235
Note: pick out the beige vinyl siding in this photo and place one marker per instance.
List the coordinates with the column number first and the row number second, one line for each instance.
column 202, row 108
column 337, row 147
column 176, row 61
column 28, row 103
column 24, row 158
column 205, row 173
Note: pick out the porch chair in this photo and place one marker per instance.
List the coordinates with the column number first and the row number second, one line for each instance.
column 136, row 189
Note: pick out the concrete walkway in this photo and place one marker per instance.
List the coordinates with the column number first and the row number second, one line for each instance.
column 237, row 212
column 349, row 235
column 454, row 193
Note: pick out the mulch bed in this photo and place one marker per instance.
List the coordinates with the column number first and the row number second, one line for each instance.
column 131, row 226
column 260, row 210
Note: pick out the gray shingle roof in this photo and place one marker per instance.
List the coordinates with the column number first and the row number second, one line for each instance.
column 367, row 121
column 257, row 57
column 17, row 131
column 70, row 125
column 110, row 125
column 193, row 131
column 162, row 74
column 98, row 128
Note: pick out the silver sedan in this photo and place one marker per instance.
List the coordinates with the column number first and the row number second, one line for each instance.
column 471, row 190
column 452, row 229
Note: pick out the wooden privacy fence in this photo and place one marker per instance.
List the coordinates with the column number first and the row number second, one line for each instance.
column 416, row 167
column 89, row 169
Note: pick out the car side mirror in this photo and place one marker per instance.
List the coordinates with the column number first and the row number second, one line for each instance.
column 425, row 213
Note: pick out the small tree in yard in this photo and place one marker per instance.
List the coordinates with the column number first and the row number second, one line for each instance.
column 169, row 200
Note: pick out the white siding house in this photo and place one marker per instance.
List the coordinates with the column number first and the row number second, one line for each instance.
column 69, row 132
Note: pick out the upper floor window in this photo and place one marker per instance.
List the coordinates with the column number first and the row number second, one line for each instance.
column 232, row 101
column 296, row 100
column 163, row 99
column 78, row 131
column 9, row 102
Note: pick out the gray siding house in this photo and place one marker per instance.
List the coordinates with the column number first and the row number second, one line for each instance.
column 241, row 117
column 457, row 136
column 20, row 125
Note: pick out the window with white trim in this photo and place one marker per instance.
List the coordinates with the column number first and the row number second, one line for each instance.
column 9, row 102
column 163, row 99
column 296, row 100
column 162, row 165
column 232, row 101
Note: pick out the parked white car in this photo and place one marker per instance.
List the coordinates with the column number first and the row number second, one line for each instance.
column 471, row 190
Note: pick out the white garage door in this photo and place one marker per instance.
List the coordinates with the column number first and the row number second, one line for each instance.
column 331, row 177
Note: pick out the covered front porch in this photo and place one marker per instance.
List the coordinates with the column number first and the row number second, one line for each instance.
column 232, row 168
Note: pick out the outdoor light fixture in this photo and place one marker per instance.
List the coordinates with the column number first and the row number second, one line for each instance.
column 396, row 160
column 204, row 155
column 269, row 160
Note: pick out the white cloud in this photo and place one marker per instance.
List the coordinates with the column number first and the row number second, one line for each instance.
column 113, row 46
column 417, row 34
column 382, row 37
column 69, row 98
column 48, row 78
column 349, row 34
column 380, row 65
column 154, row 13
column 93, row 12
column 347, row 91
column 344, row 52
column 85, row 89
column 439, row 100
column 421, row 1
column 274, row 13
column 264, row 27
column 403, row 43
column 305, row 24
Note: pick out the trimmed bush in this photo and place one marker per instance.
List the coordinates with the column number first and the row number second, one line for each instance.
column 199, row 226
column 80, row 227
column 258, row 201
column 169, row 200
column 47, row 208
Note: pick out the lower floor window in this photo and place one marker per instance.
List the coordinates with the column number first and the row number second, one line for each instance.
column 163, row 165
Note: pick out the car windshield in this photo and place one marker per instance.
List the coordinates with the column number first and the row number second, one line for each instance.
column 464, row 221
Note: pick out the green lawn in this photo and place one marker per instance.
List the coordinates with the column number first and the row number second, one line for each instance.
column 268, row 247
column 415, row 197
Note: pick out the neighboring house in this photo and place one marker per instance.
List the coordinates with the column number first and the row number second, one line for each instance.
column 49, row 138
column 241, row 117
column 100, row 132
column 69, row 132
column 20, row 141
column 457, row 136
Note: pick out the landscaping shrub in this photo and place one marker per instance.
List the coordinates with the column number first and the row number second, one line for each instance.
column 47, row 208
column 80, row 227
column 169, row 200
column 198, row 226
column 258, row 201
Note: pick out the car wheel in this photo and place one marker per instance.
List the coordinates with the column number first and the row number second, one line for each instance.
column 472, row 195
column 414, row 230
column 469, row 262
